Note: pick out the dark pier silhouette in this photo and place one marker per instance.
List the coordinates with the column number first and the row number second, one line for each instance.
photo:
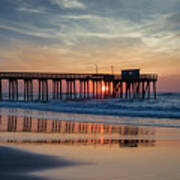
column 130, row 84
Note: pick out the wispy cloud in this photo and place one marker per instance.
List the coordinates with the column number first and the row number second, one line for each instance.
column 68, row 3
column 31, row 10
column 33, row 32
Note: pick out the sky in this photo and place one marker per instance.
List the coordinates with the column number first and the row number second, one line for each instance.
column 76, row 35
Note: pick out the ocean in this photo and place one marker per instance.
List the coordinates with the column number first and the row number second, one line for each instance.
column 164, row 111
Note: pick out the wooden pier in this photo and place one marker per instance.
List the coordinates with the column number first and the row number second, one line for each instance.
column 26, row 86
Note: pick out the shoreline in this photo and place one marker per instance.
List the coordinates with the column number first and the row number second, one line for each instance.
column 54, row 114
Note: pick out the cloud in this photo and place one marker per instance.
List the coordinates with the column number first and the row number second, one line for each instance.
column 174, row 18
column 160, row 32
column 31, row 10
column 80, row 17
column 68, row 4
column 33, row 32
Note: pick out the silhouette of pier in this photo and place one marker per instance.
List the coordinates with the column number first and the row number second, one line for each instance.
column 66, row 86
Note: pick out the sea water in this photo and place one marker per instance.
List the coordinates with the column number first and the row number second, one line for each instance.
column 163, row 111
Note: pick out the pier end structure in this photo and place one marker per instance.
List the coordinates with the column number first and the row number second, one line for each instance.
column 27, row 86
column 132, row 84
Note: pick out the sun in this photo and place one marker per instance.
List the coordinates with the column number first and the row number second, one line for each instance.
column 103, row 88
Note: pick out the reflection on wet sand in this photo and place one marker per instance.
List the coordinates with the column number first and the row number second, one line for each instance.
column 102, row 141
column 100, row 134
column 29, row 124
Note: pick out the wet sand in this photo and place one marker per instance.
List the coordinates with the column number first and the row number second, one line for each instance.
column 90, row 162
column 37, row 149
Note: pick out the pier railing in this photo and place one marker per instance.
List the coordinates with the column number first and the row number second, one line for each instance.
column 34, row 75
